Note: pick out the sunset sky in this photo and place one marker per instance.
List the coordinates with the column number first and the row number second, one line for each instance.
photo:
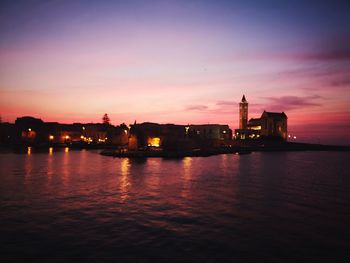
column 178, row 62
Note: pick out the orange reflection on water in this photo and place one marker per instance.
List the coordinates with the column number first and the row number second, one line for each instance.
column 29, row 150
column 124, row 179
column 153, row 169
column 49, row 171
column 65, row 166
column 187, row 175
column 224, row 163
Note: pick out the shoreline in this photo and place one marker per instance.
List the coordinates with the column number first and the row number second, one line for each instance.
column 246, row 148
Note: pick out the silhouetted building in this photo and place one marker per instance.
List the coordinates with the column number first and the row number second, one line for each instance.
column 274, row 124
column 178, row 137
column 156, row 136
column 243, row 113
column 32, row 131
column 270, row 125
column 29, row 130
column 170, row 137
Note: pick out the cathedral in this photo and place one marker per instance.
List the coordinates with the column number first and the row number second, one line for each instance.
column 271, row 125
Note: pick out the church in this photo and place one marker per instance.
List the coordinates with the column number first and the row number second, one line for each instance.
column 270, row 125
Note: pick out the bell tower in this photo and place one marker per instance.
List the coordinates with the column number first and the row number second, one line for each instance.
column 243, row 114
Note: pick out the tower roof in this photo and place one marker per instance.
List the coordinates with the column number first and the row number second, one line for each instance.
column 274, row 114
column 243, row 99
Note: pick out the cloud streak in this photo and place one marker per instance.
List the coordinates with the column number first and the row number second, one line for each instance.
column 332, row 49
column 196, row 108
column 226, row 103
column 286, row 103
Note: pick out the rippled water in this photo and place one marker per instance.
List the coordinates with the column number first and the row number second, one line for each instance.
column 63, row 206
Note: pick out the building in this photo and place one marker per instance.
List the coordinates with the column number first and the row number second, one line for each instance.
column 243, row 113
column 270, row 125
column 32, row 131
column 274, row 124
column 174, row 137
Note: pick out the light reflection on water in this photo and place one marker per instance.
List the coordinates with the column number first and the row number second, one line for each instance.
column 124, row 179
column 29, row 151
column 261, row 206
column 186, row 176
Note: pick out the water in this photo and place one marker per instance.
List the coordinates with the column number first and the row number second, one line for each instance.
column 68, row 205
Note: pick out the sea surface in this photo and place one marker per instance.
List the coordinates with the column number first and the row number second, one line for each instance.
column 64, row 205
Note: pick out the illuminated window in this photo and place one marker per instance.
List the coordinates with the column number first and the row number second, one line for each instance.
column 154, row 142
column 255, row 127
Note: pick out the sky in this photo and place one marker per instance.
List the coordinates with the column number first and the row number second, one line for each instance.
column 183, row 62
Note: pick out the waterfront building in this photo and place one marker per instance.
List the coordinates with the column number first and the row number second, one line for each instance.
column 270, row 125
column 32, row 131
column 178, row 137
column 243, row 113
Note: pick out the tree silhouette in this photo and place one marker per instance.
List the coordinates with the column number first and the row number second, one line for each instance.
column 105, row 119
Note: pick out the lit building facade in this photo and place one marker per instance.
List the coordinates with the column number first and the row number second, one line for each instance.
column 271, row 125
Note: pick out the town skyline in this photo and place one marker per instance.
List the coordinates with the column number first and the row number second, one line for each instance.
column 178, row 62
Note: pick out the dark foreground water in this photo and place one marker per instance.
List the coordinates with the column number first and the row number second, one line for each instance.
column 263, row 207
